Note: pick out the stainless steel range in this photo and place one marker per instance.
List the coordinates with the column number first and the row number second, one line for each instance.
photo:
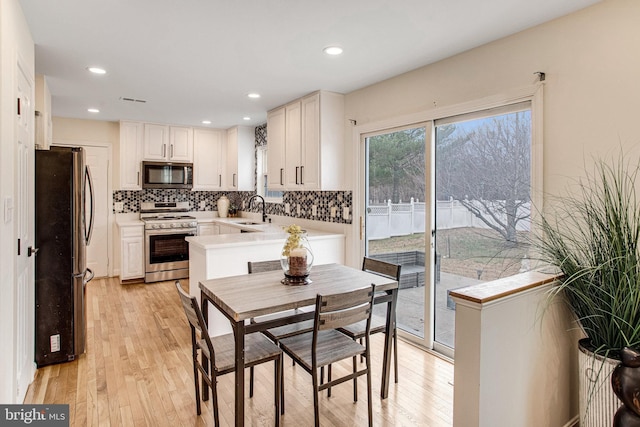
column 166, row 225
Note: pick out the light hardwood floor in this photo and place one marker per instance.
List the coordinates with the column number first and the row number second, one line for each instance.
column 137, row 371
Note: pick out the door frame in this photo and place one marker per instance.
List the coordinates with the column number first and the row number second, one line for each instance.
column 533, row 93
column 110, row 216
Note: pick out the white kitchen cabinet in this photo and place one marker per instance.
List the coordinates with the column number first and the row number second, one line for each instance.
column 275, row 149
column 131, row 134
column 131, row 252
column 240, row 158
column 311, row 131
column 208, row 229
column 168, row 143
column 209, row 158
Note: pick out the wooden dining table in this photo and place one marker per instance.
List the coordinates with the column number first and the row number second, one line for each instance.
column 249, row 296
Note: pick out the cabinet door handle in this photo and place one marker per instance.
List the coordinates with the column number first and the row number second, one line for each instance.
column 138, row 178
column 297, row 174
column 281, row 177
column 219, row 180
column 172, row 151
column 164, row 150
column 233, row 181
column 301, row 173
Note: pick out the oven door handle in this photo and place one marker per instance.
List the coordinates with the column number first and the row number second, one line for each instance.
column 162, row 231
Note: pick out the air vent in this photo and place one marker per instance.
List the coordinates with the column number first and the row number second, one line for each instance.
column 122, row 98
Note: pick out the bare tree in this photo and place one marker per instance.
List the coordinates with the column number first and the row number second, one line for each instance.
column 487, row 169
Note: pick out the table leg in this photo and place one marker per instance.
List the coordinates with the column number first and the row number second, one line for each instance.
column 238, row 331
column 388, row 341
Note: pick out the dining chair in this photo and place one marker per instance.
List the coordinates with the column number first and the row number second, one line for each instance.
column 279, row 332
column 219, row 351
column 378, row 323
column 325, row 345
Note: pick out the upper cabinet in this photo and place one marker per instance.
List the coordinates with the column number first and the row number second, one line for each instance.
column 240, row 158
column 275, row 149
column 209, row 159
column 131, row 139
column 305, row 144
column 168, row 143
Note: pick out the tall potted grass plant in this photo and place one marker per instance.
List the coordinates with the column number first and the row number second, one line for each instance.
column 592, row 236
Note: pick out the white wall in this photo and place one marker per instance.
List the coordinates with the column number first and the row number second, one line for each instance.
column 15, row 42
column 591, row 94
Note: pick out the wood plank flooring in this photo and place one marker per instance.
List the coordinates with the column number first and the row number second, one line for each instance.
column 137, row 371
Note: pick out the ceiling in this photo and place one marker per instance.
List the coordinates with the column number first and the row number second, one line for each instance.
column 195, row 60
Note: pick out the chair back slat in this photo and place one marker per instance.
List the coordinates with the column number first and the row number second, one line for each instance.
column 345, row 300
column 382, row 268
column 262, row 266
column 338, row 310
column 338, row 319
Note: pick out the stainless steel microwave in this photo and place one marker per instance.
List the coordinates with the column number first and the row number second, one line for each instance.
column 167, row 175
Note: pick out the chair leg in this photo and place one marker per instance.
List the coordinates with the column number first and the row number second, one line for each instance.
column 362, row 355
column 251, row 382
column 197, row 384
column 355, row 380
column 282, row 384
column 316, row 400
column 214, row 397
column 277, row 380
column 369, row 400
column 395, row 355
column 329, row 379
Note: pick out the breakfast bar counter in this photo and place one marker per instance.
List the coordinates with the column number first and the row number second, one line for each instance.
column 225, row 255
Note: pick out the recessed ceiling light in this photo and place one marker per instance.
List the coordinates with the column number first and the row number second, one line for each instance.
column 254, row 95
column 206, row 122
column 246, row 118
column 332, row 50
column 93, row 110
column 97, row 70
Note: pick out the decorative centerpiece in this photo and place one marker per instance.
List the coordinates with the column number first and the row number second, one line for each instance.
column 297, row 258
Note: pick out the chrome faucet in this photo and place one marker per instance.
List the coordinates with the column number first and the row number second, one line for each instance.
column 264, row 213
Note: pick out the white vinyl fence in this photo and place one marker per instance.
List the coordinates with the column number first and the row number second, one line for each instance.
column 401, row 219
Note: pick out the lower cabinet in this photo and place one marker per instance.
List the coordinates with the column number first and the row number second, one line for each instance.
column 131, row 252
column 207, row 229
column 227, row 229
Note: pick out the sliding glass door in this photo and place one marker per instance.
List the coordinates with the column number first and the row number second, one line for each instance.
column 395, row 194
column 449, row 200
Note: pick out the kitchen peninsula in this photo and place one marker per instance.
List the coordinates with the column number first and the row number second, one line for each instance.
column 224, row 255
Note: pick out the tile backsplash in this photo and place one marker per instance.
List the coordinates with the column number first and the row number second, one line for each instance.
column 327, row 206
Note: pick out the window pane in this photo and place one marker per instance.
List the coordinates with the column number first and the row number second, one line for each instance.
column 483, row 202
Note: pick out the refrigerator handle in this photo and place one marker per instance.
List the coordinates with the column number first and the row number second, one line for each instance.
column 89, row 232
column 84, row 279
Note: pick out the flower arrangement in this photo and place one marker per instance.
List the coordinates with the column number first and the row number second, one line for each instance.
column 293, row 241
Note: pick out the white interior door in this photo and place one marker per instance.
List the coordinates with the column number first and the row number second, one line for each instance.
column 24, row 293
column 97, row 159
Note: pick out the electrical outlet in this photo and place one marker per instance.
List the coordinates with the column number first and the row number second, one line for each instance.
column 54, row 341
column 314, row 210
column 334, row 210
column 203, row 205
column 345, row 212
column 298, row 210
column 287, row 208
column 119, row 206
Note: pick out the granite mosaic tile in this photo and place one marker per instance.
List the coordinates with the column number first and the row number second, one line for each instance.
column 323, row 201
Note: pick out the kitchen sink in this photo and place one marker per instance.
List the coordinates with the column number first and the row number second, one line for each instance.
column 249, row 223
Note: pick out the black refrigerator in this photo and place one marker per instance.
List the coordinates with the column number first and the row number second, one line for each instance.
column 64, row 221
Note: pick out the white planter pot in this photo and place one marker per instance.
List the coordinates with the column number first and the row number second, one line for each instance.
column 598, row 402
column 223, row 206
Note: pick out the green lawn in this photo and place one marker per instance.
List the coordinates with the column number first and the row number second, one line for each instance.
column 467, row 252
